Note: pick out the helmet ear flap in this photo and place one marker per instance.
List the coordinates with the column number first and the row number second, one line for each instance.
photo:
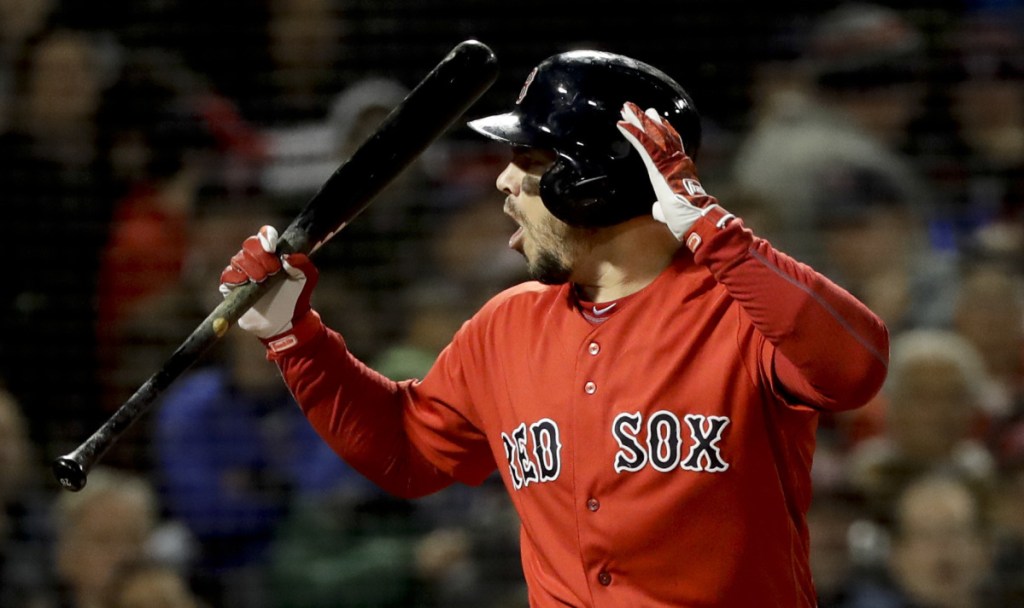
column 575, row 192
column 584, row 193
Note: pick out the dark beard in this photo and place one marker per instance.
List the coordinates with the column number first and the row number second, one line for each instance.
column 550, row 270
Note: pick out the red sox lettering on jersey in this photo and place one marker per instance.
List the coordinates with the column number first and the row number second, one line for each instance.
column 542, row 462
column 654, row 458
column 663, row 447
column 657, row 444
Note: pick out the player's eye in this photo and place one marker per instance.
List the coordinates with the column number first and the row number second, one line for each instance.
column 532, row 159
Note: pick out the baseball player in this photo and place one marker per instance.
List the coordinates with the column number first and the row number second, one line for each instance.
column 650, row 401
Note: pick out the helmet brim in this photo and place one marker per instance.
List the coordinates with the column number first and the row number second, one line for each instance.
column 508, row 128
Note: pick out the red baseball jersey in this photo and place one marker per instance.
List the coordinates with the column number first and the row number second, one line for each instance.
column 658, row 455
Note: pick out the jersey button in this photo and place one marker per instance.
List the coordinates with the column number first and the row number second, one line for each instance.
column 593, row 504
column 594, row 348
column 590, row 388
column 604, row 578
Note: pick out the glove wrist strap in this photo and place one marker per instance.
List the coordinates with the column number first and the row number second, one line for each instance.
column 302, row 331
column 713, row 220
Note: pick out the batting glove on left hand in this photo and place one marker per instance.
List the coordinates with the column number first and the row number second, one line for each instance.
column 680, row 198
column 274, row 315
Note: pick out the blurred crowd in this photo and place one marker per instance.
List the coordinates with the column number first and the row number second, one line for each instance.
column 140, row 142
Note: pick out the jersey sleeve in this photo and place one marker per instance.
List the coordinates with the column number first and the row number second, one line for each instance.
column 828, row 350
column 408, row 440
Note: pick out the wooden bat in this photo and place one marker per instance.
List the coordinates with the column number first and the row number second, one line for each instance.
column 447, row 91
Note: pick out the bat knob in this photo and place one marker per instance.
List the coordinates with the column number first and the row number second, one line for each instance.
column 69, row 473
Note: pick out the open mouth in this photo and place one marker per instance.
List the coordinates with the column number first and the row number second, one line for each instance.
column 516, row 240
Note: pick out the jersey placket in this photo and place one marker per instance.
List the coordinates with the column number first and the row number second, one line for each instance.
column 590, row 410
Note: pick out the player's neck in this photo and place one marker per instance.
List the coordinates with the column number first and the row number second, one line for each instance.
column 625, row 259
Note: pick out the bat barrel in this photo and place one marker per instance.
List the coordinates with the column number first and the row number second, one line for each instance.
column 443, row 95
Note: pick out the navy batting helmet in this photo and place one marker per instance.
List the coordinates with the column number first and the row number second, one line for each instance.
column 570, row 104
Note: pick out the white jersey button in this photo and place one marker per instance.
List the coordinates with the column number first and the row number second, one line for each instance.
column 590, row 388
column 593, row 504
column 594, row 348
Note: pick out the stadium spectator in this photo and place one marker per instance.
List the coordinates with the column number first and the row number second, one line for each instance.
column 106, row 524
column 161, row 155
column 232, row 452
column 471, row 250
column 848, row 550
column 849, row 101
column 933, row 419
column 149, row 584
column 985, row 70
column 989, row 313
column 20, row 22
column 306, row 44
column 868, row 61
column 302, row 154
column 875, row 242
column 57, row 201
column 942, row 547
column 26, row 573
column 1008, row 519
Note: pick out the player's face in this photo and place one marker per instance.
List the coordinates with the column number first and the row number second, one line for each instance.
column 549, row 245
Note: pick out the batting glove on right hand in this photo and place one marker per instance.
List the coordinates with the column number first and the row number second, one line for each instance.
column 273, row 317
column 680, row 197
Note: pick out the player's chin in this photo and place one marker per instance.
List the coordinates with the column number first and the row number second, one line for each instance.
column 548, row 269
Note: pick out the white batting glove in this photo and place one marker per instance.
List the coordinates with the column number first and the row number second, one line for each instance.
column 275, row 313
column 680, row 198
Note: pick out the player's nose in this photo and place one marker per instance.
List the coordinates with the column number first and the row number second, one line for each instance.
column 509, row 180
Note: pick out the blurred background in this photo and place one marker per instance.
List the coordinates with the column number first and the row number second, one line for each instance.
column 142, row 140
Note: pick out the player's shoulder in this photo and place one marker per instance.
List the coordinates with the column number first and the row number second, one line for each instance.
column 520, row 303
column 510, row 316
column 525, row 295
column 502, row 324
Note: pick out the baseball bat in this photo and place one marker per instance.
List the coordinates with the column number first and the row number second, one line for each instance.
column 432, row 106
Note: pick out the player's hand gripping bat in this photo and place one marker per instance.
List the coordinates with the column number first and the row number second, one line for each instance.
column 447, row 91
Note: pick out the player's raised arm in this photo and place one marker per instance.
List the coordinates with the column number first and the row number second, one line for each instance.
column 834, row 351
